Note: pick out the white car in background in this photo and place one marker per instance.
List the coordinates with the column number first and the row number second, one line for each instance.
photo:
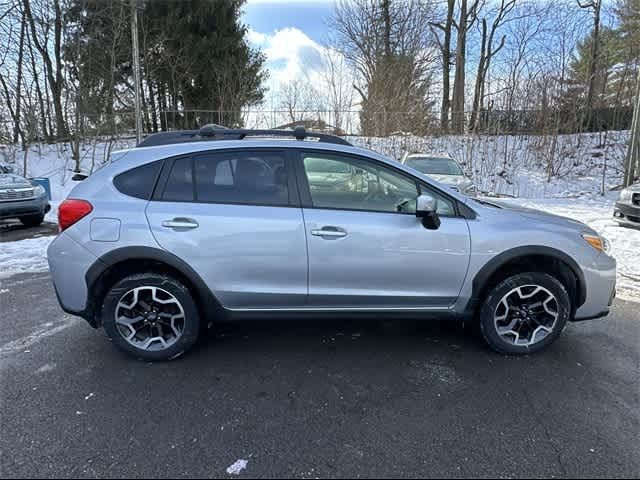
column 441, row 168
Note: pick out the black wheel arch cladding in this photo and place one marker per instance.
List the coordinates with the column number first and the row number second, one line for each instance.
column 483, row 277
column 203, row 296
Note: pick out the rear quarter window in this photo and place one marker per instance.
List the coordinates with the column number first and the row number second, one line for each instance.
column 140, row 181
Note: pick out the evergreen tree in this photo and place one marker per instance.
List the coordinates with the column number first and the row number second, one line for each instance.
column 194, row 56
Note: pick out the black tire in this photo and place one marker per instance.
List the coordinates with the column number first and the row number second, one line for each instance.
column 174, row 287
column 495, row 296
column 32, row 220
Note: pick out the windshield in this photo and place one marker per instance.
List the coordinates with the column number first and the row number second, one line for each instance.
column 434, row 165
column 325, row 165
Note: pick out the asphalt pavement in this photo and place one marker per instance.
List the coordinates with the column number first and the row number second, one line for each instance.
column 314, row 399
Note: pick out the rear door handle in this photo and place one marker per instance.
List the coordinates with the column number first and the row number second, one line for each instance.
column 180, row 224
column 330, row 232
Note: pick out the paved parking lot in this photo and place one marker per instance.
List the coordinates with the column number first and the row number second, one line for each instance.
column 314, row 399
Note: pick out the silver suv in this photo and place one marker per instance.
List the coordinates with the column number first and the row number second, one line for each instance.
column 190, row 228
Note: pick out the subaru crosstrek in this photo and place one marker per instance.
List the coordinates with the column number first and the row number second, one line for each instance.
column 192, row 227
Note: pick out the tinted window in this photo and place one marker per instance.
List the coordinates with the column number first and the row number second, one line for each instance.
column 258, row 178
column 179, row 187
column 138, row 182
column 347, row 183
column 434, row 166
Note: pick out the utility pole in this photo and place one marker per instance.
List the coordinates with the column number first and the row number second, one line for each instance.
column 632, row 162
column 136, row 67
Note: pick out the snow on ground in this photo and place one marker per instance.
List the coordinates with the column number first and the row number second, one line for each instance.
column 25, row 256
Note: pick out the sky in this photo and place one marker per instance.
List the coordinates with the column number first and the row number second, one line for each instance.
column 291, row 34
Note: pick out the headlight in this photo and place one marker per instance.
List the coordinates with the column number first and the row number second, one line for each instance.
column 596, row 241
column 39, row 190
column 625, row 195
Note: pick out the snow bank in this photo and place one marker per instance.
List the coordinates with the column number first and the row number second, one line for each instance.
column 25, row 256
column 519, row 165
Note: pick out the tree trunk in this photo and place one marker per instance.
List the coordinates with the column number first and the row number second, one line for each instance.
column 632, row 160
column 152, row 104
column 446, row 67
column 36, row 79
column 593, row 64
column 17, row 131
column 54, row 75
column 477, row 94
column 457, row 115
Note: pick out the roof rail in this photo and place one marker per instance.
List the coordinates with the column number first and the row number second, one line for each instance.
column 209, row 132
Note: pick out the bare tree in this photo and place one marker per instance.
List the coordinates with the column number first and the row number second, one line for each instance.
column 389, row 45
column 487, row 52
column 444, row 44
column 53, row 67
column 297, row 98
column 593, row 59
column 632, row 160
column 468, row 15
column 338, row 80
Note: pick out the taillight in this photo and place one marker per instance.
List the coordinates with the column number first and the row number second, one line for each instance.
column 71, row 211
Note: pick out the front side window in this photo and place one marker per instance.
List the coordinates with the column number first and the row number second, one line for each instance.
column 246, row 177
column 353, row 184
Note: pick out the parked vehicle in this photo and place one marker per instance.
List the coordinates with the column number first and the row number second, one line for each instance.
column 168, row 238
column 627, row 208
column 441, row 168
column 22, row 199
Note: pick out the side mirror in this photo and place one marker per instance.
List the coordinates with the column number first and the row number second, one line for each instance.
column 426, row 209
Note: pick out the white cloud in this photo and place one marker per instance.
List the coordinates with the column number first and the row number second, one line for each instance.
column 291, row 54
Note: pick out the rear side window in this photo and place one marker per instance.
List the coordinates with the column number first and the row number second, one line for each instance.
column 179, row 186
column 245, row 177
column 138, row 182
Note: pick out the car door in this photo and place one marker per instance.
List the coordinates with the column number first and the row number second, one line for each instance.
column 366, row 246
column 233, row 216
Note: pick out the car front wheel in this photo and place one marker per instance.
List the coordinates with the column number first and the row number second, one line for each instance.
column 151, row 316
column 525, row 313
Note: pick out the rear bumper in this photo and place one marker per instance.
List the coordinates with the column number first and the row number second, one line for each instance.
column 21, row 208
column 69, row 262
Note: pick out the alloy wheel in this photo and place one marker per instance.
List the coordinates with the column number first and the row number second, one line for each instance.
column 526, row 315
column 150, row 318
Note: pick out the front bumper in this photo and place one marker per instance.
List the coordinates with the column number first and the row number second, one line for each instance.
column 600, row 283
column 22, row 208
column 627, row 214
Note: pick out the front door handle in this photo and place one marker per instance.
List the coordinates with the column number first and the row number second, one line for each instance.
column 329, row 232
column 180, row 224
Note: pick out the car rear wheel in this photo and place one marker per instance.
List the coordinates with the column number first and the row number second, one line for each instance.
column 525, row 313
column 32, row 220
column 151, row 316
